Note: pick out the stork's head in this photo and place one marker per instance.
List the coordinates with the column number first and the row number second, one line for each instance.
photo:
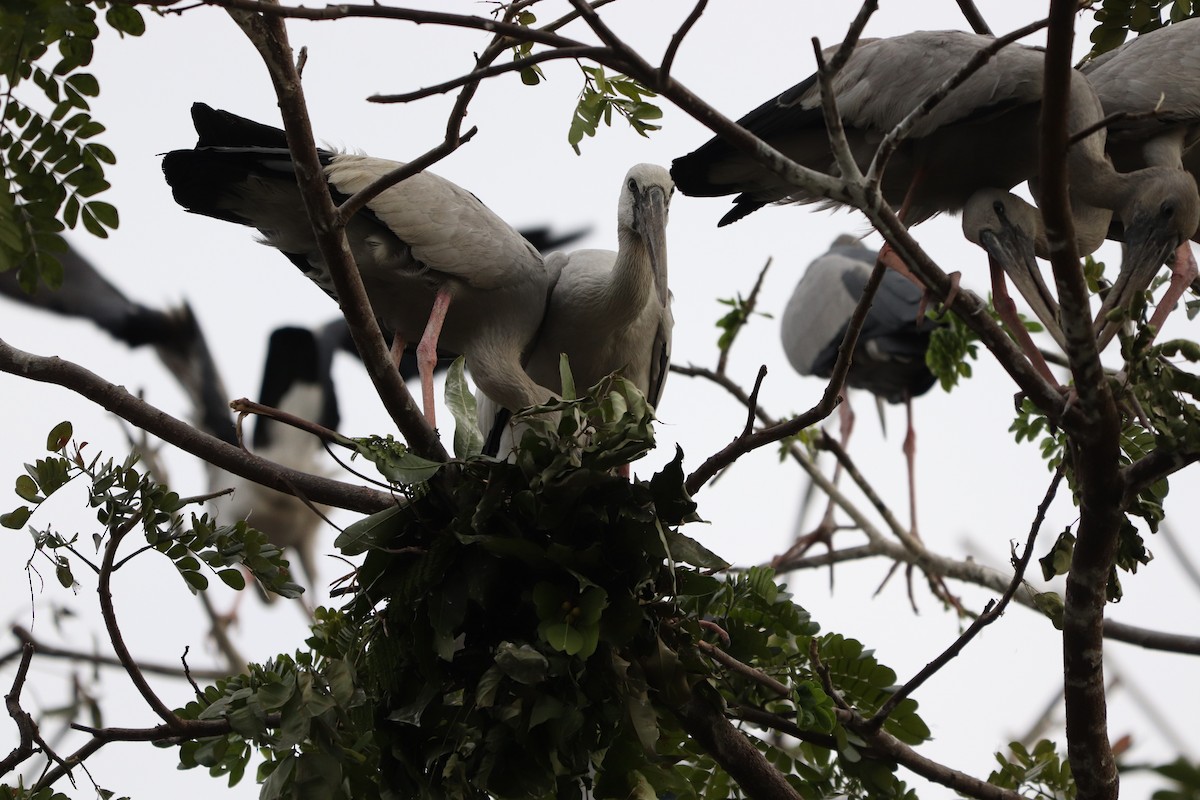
column 1002, row 224
column 1161, row 213
column 645, row 199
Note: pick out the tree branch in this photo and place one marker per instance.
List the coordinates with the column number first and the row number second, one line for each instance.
column 27, row 729
column 216, row 452
column 51, row 651
column 1095, row 449
column 990, row 614
column 269, row 37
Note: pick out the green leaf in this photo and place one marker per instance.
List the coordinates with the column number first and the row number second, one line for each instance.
column 395, row 461
column 58, row 437
column 62, row 571
column 27, row 489
column 125, row 20
column 368, row 532
column 522, row 663
column 233, row 578
column 16, row 518
column 195, row 580
column 468, row 440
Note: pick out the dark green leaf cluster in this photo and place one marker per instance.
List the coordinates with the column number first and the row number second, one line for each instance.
column 514, row 613
column 305, row 714
column 1116, row 18
column 951, row 345
column 531, row 627
column 1030, row 423
column 126, row 499
column 1041, row 773
column 51, row 167
column 767, row 629
column 601, row 95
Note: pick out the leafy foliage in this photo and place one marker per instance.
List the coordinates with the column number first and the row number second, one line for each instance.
column 304, row 713
column 51, row 167
column 530, row 627
column 740, row 311
column 601, row 96
column 1041, row 773
column 951, row 345
column 1117, row 18
column 126, row 499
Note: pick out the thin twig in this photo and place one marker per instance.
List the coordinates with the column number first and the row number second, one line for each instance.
column 116, row 638
column 678, row 37
column 990, row 614
column 216, row 452
column 974, row 18
column 748, row 307
column 582, row 51
column 745, row 670
column 27, row 729
column 52, row 651
column 852, row 35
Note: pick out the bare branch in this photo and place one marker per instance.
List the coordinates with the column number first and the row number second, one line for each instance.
column 26, row 728
column 990, row 614
column 848, row 44
column 974, row 18
column 357, row 201
column 677, row 39
column 750, row 441
column 749, row 306
column 269, row 37
column 211, row 449
column 476, row 75
column 51, row 651
column 108, row 612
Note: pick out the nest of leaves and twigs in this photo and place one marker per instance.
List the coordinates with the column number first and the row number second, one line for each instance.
column 533, row 628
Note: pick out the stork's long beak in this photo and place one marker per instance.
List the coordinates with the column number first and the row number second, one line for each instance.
column 652, row 213
column 1014, row 252
column 1146, row 250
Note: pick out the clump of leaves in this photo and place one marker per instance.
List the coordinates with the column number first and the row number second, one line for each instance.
column 1030, row 423
column 305, row 713
column 952, row 346
column 530, row 627
column 52, row 168
column 1116, row 18
column 602, row 95
column 1041, row 773
column 126, row 499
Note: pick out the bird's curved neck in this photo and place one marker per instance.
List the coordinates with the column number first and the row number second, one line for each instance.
column 632, row 277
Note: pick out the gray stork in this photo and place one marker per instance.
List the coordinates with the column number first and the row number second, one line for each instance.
column 1154, row 81
column 439, row 266
column 889, row 361
column 939, row 166
column 610, row 312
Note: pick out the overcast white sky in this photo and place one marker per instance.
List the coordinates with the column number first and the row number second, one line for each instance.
column 978, row 490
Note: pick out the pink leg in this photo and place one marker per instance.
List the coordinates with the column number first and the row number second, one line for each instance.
column 427, row 353
column 1007, row 310
column 1183, row 272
